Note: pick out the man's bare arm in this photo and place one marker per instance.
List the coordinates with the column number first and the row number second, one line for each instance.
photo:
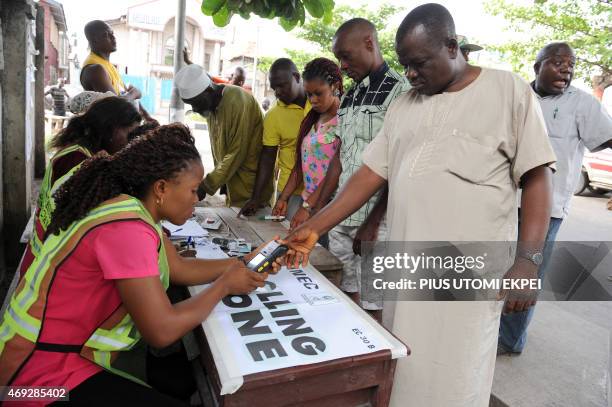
column 95, row 78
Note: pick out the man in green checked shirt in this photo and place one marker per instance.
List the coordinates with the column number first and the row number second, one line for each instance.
column 361, row 115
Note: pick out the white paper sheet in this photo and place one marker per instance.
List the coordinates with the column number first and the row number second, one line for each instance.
column 191, row 228
column 205, row 249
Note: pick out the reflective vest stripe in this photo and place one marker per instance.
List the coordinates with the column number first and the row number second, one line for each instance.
column 23, row 320
column 106, row 342
column 45, row 202
column 27, row 329
column 27, row 295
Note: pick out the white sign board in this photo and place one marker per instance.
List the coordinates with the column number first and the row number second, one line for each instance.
column 299, row 318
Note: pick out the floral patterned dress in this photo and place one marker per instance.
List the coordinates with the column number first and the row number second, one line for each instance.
column 318, row 148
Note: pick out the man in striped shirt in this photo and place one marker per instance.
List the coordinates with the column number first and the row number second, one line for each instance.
column 360, row 118
column 60, row 97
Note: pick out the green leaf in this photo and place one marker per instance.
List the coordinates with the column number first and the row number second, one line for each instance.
column 287, row 25
column 328, row 5
column 222, row 17
column 234, row 5
column 288, row 11
column 315, row 8
column 328, row 16
column 210, row 7
column 300, row 13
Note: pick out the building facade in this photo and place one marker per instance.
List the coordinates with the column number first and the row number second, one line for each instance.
column 145, row 49
column 145, row 39
column 57, row 44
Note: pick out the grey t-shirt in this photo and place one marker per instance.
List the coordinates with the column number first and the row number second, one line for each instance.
column 574, row 120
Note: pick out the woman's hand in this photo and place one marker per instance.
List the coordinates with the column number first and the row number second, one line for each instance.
column 301, row 216
column 280, row 209
column 276, row 265
column 239, row 280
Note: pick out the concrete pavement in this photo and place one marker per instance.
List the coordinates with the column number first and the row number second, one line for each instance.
column 568, row 357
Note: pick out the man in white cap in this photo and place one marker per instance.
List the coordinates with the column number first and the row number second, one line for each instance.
column 235, row 127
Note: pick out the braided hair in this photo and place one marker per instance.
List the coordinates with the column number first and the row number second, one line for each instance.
column 142, row 129
column 94, row 128
column 329, row 72
column 159, row 154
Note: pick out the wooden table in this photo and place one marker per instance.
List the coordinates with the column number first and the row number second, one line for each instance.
column 360, row 380
column 257, row 231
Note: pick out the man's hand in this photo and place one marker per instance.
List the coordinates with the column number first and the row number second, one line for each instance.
column 280, row 209
column 520, row 299
column 133, row 92
column 249, row 208
column 186, row 56
column 367, row 232
column 301, row 242
column 201, row 193
column 301, row 216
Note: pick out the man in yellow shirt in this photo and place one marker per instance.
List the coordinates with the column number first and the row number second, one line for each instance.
column 281, row 127
column 98, row 74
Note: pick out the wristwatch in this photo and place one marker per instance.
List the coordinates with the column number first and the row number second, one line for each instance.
column 536, row 257
column 306, row 206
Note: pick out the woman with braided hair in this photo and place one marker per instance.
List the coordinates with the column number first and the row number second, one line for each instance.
column 105, row 125
column 317, row 140
column 100, row 280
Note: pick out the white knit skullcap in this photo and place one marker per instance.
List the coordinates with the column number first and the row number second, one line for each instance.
column 191, row 80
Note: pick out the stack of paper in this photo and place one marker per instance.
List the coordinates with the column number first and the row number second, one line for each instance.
column 191, row 228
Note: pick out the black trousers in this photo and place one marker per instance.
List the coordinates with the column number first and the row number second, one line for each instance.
column 108, row 389
column 170, row 377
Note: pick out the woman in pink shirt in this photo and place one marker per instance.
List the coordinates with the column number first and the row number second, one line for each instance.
column 100, row 282
column 317, row 139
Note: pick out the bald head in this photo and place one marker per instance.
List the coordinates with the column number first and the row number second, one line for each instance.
column 286, row 81
column 432, row 19
column 94, row 28
column 552, row 49
column 356, row 25
column 238, row 77
column 355, row 45
column 100, row 37
column 283, row 64
column 554, row 68
column 427, row 48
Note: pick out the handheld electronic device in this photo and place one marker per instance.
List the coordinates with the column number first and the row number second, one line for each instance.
column 264, row 259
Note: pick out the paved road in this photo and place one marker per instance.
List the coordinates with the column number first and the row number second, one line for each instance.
column 589, row 219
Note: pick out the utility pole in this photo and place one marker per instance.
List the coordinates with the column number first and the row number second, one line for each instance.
column 177, row 107
column 255, row 62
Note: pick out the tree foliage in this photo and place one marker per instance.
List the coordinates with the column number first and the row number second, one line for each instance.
column 584, row 24
column 290, row 13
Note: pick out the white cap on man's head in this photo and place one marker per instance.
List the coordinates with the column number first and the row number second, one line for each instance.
column 191, row 80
